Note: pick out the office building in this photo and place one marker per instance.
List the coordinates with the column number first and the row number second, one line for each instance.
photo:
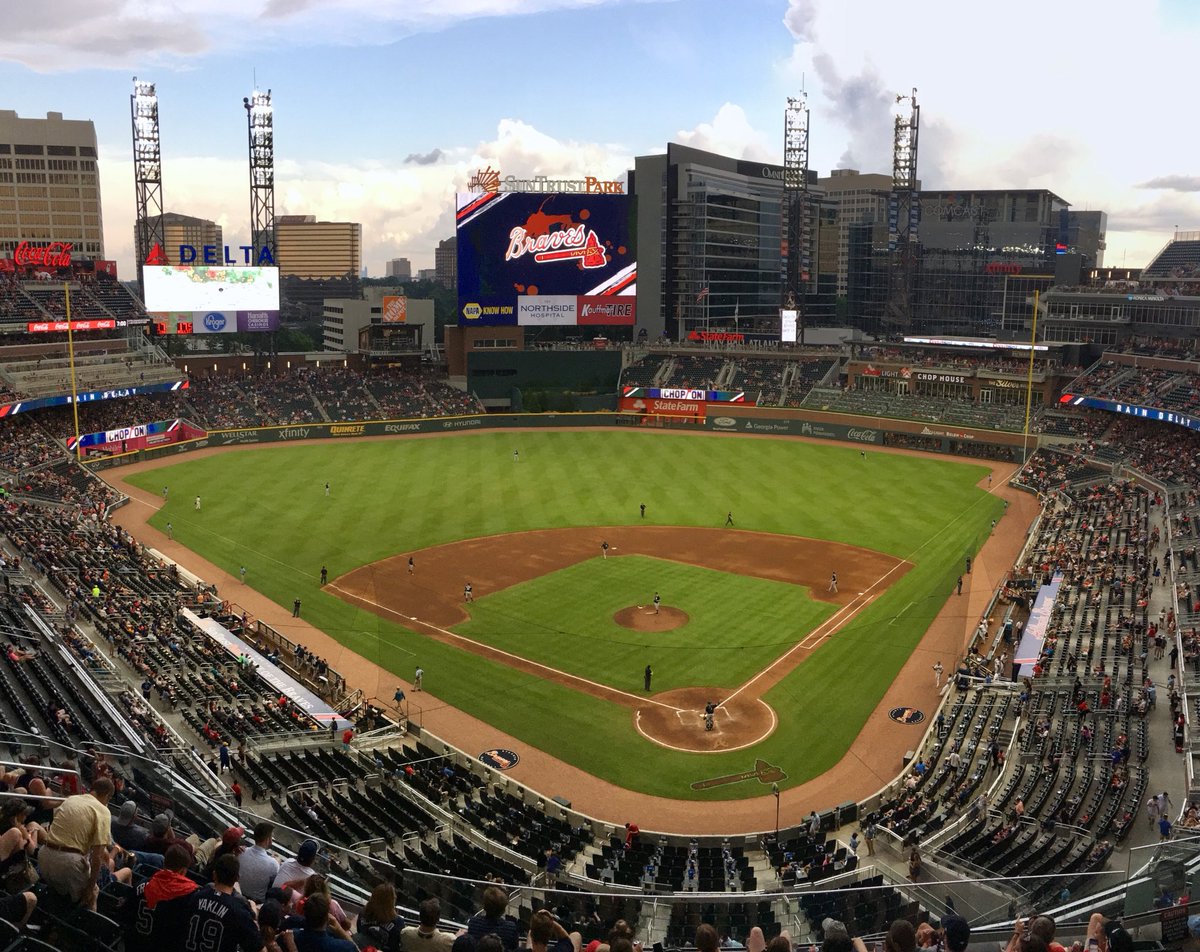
column 317, row 260
column 356, row 326
column 1087, row 233
column 49, row 184
column 445, row 263
column 859, row 199
column 312, row 250
column 187, row 230
column 709, row 243
column 430, row 274
column 398, row 268
column 981, row 255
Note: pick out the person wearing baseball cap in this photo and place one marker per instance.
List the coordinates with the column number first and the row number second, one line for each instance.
column 297, row 870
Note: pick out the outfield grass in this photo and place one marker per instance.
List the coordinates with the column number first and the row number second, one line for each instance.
column 266, row 509
column 736, row 625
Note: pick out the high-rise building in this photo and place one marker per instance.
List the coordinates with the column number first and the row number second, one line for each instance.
column 709, row 245
column 49, row 184
column 860, row 199
column 187, row 230
column 981, row 255
column 309, row 249
column 1087, row 233
column 445, row 263
column 430, row 274
column 400, row 268
column 317, row 260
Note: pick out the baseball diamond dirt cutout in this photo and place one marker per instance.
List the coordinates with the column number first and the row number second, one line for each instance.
column 432, row 605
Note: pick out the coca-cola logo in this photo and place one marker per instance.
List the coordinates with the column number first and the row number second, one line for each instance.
column 57, row 254
column 862, row 436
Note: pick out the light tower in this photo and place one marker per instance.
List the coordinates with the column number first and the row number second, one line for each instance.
column 147, row 173
column 796, row 246
column 903, row 213
column 260, row 124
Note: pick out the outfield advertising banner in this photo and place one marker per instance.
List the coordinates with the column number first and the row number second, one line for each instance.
column 620, row 310
column 652, row 407
column 547, row 310
column 557, row 245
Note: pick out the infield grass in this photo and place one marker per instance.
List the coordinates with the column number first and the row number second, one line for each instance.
column 736, row 626
column 266, row 509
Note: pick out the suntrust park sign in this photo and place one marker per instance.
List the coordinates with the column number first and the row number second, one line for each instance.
column 488, row 180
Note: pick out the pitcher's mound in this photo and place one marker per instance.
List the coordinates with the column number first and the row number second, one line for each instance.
column 643, row 618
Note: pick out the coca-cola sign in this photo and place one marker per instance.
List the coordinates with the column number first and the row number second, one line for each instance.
column 57, row 254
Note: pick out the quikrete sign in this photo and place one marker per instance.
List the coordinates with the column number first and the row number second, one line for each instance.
column 212, row 254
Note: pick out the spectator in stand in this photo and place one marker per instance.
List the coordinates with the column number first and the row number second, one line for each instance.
column 257, row 867
column 220, row 915
column 75, row 854
column 426, row 937
column 294, row 872
column 230, row 845
column 378, row 922
column 126, row 832
column 19, row 840
column 318, row 885
column 546, row 934
column 157, row 914
column 321, row 932
column 492, row 921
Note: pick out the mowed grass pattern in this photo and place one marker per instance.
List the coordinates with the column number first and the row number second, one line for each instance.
column 736, row 626
column 266, row 509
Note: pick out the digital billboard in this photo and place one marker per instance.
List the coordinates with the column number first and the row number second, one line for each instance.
column 218, row 299
column 542, row 259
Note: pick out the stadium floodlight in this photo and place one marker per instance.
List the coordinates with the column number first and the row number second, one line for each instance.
column 260, row 130
column 147, row 172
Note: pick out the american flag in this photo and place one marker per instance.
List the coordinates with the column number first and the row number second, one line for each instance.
column 702, row 295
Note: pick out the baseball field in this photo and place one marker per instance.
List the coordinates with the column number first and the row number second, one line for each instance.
column 554, row 645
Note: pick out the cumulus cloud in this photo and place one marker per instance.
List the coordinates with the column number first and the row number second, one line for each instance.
column 103, row 33
column 404, row 211
column 1175, row 183
column 800, row 17
column 125, row 34
column 730, row 133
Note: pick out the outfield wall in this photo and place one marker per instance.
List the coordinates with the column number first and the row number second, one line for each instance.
column 719, row 418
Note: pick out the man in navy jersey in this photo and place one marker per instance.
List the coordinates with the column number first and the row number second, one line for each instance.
column 218, row 919
column 157, row 914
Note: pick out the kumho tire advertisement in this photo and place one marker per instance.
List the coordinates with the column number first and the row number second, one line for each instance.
column 515, row 245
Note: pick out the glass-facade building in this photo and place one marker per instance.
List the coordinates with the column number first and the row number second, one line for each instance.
column 709, row 243
column 981, row 255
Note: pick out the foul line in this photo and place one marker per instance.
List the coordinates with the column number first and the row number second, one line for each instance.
column 500, row 651
column 803, row 645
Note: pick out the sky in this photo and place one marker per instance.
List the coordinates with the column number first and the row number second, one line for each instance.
column 384, row 108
